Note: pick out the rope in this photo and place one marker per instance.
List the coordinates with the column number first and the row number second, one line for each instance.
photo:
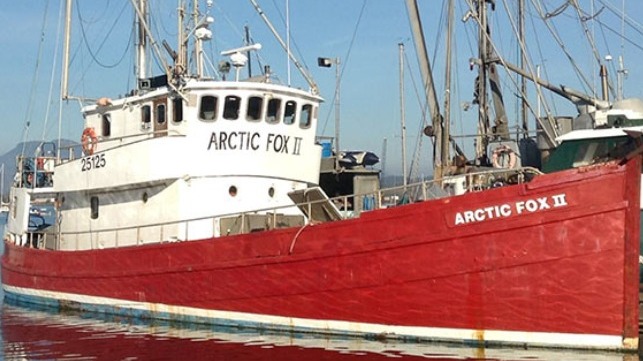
column 294, row 240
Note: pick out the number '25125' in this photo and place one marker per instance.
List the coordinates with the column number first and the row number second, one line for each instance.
column 92, row 162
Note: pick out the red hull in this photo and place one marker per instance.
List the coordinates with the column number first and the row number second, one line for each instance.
column 559, row 265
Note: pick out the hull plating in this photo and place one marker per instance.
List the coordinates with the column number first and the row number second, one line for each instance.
column 516, row 264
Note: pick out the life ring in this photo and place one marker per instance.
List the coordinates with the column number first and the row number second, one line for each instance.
column 89, row 141
column 499, row 152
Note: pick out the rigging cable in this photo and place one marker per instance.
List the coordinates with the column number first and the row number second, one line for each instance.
column 284, row 22
column 423, row 108
column 424, row 105
column 34, row 80
column 541, row 56
column 530, row 66
column 583, row 18
column 626, row 19
column 348, row 53
column 561, row 9
column 562, row 46
column 53, row 72
column 100, row 47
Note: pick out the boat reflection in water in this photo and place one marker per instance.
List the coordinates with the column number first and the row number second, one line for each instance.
column 30, row 334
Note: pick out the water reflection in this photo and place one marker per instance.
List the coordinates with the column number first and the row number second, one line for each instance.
column 30, row 334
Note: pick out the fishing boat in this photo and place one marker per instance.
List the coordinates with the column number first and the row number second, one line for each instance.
column 198, row 200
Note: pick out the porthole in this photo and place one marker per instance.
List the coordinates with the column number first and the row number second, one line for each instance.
column 271, row 192
column 232, row 191
column 145, row 197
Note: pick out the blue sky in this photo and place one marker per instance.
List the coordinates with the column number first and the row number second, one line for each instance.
column 363, row 34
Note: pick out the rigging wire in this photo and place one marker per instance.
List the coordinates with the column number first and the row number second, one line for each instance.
column 626, row 19
column 292, row 41
column 529, row 65
column 561, row 45
column 53, row 71
column 424, row 103
column 559, row 10
column 552, row 100
column 100, row 47
column 623, row 38
column 345, row 62
column 583, row 19
column 260, row 59
column 34, row 80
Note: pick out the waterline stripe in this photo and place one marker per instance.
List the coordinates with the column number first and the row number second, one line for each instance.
column 306, row 325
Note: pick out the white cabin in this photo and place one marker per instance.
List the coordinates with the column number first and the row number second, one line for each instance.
column 221, row 154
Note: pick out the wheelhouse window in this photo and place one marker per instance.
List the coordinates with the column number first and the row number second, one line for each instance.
column 306, row 118
column 107, row 125
column 177, row 109
column 274, row 111
column 208, row 108
column 231, row 107
column 160, row 113
column 255, row 108
column 290, row 112
column 146, row 116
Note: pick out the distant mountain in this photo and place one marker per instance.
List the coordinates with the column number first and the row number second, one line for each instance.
column 30, row 149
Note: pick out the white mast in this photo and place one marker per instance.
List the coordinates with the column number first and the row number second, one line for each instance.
column 141, row 46
column 198, row 45
column 65, row 65
column 179, row 61
column 402, row 114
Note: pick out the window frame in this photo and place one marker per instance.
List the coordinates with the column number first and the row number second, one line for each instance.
column 276, row 118
column 229, row 106
column 146, row 116
column 215, row 109
column 293, row 117
column 259, row 111
column 305, row 122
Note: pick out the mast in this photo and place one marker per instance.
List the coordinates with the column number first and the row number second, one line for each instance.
column 523, row 60
column 198, row 43
column 402, row 114
column 141, row 46
column 65, row 64
column 447, row 81
column 179, row 63
column 487, row 72
column 383, row 158
column 481, row 83
column 440, row 159
column 247, row 33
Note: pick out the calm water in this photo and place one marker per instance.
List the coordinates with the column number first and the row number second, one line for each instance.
column 32, row 334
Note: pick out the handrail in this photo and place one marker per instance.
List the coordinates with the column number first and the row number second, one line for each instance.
column 344, row 200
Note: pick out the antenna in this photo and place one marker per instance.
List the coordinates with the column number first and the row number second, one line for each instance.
column 238, row 59
column 241, row 49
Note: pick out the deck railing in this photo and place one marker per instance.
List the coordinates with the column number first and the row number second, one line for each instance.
column 382, row 198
